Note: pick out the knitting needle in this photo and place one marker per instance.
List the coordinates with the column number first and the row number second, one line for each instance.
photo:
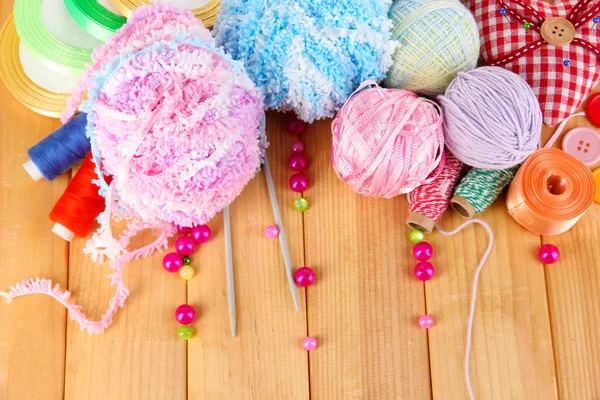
column 282, row 240
column 229, row 269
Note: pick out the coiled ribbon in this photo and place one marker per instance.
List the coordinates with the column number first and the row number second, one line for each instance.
column 94, row 18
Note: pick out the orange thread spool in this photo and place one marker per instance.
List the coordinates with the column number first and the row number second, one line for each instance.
column 80, row 204
column 550, row 192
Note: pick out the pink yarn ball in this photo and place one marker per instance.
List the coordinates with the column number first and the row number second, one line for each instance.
column 299, row 182
column 423, row 251
column 185, row 245
column 201, row 233
column 549, row 254
column 172, row 262
column 424, row 271
column 185, row 314
column 386, row 141
column 304, row 276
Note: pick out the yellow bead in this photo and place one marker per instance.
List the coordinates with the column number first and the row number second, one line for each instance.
column 186, row 272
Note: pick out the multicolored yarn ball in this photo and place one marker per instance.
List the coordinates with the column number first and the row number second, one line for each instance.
column 307, row 56
column 480, row 188
column 386, row 141
column 492, row 118
column 437, row 39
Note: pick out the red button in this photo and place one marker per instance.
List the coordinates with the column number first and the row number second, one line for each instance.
column 583, row 144
column 593, row 110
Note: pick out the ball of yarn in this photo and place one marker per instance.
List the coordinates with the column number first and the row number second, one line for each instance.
column 492, row 118
column 177, row 124
column 386, row 141
column 307, row 56
column 437, row 39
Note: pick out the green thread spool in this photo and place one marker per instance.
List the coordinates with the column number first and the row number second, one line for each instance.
column 94, row 18
column 479, row 188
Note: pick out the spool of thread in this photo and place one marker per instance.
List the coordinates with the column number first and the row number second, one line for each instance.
column 386, row 141
column 550, row 192
column 80, row 204
column 429, row 201
column 479, row 189
column 437, row 39
column 60, row 151
column 99, row 18
column 492, row 118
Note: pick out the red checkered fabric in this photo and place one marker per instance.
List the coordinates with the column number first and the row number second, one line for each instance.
column 560, row 88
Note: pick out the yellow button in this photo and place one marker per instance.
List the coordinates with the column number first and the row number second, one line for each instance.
column 557, row 31
column 597, row 179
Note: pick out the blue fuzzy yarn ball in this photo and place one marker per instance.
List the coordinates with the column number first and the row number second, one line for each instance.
column 308, row 56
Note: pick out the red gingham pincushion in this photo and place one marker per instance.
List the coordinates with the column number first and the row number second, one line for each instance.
column 561, row 77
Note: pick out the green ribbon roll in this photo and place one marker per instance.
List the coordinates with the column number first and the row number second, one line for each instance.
column 94, row 18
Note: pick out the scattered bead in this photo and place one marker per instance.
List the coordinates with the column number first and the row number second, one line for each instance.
column 425, row 321
column 596, row 19
column 172, row 262
column 186, row 272
column 271, row 231
column 526, row 25
column 423, row 251
column 300, row 204
column 503, row 11
column 299, row 182
column 297, row 147
column 185, row 332
column 416, row 236
column 566, row 63
column 296, row 126
column 183, row 230
column 424, row 271
column 201, row 233
column 549, row 254
column 309, row 343
column 184, row 245
column 304, row 276
column 186, row 260
column 185, row 314
column 298, row 162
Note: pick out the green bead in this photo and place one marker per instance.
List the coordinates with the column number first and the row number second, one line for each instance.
column 301, row 204
column 184, row 332
column 186, row 260
column 526, row 25
column 417, row 236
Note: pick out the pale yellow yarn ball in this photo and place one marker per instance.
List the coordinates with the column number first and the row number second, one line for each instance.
column 437, row 39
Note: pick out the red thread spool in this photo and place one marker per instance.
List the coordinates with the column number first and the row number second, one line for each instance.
column 80, row 204
column 428, row 202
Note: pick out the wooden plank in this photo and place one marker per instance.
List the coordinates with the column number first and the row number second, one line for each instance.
column 364, row 305
column 512, row 355
column 265, row 360
column 32, row 328
column 139, row 356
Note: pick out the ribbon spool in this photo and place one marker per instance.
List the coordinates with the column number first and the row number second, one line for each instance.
column 95, row 18
column 31, row 95
column 50, row 34
column 551, row 192
column 206, row 13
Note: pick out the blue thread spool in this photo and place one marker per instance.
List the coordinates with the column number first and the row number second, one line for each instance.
column 60, row 151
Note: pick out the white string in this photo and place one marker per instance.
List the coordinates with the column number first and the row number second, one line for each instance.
column 473, row 291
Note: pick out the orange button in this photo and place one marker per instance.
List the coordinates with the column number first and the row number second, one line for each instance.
column 597, row 179
column 557, row 31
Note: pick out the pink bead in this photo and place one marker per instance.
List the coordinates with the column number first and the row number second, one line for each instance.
column 271, row 231
column 298, row 162
column 201, row 233
column 296, row 126
column 304, row 276
column 309, row 343
column 424, row 271
column 297, row 147
column 549, row 254
column 185, row 314
column 172, row 262
column 423, row 251
column 184, row 245
column 299, row 182
column 425, row 321
column 183, row 230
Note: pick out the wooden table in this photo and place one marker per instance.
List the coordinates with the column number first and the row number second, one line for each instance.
column 536, row 332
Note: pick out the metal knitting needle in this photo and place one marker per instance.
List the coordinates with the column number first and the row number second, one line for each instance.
column 282, row 241
column 229, row 269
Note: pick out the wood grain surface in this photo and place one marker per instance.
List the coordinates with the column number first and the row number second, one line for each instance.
column 536, row 330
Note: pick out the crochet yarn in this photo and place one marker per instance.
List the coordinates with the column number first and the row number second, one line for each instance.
column 307, row 56
column 437, row 39
column 492, row 118
column 386, row 141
